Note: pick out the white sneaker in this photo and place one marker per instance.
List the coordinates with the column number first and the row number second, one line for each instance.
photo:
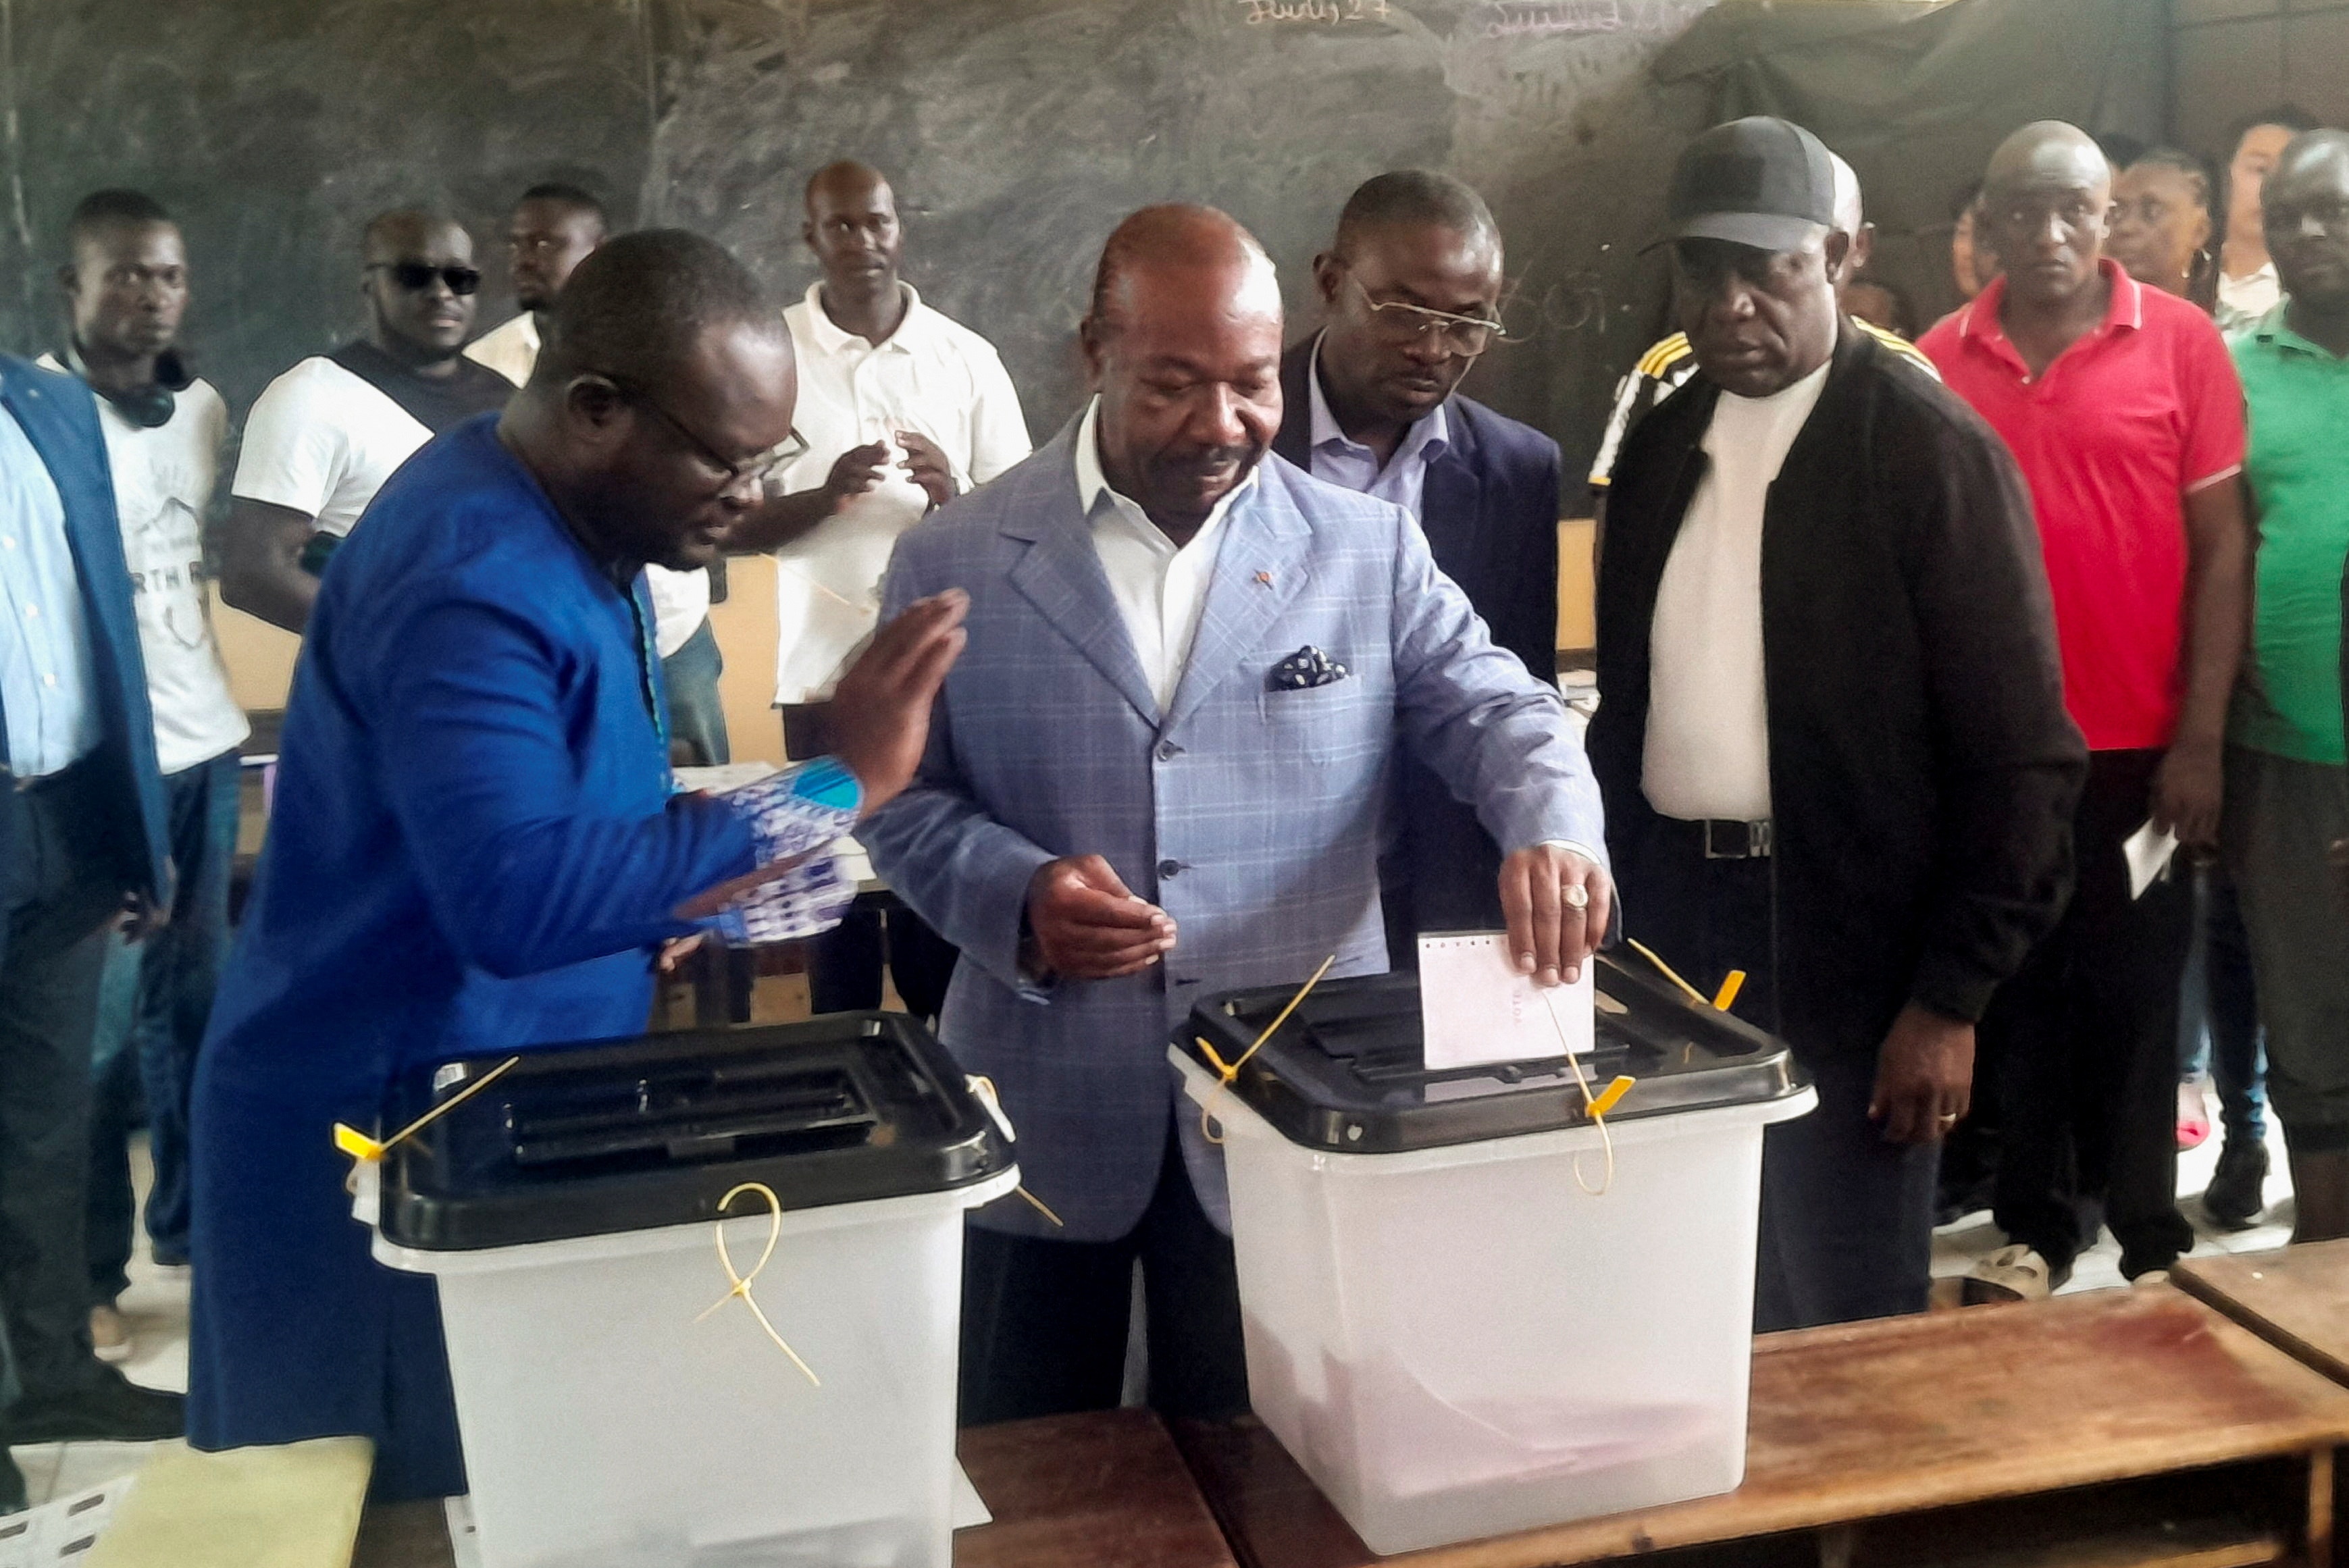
column 2012, row 1274
column 109, row 1335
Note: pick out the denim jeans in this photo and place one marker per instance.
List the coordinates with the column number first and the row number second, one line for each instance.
column 2220, row 1010
column 154, row 1003
column 697, row 718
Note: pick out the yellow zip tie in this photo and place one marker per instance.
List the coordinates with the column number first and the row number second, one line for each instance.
column 1695, row 994
column 742, row 1283
column 1731, row 984
column 984, row 1088
column 359, row 1146
column 1595, row 1105
column 1229, row 1072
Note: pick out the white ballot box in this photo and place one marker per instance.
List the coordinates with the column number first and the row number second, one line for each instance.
column 1469, row 1309
column 619, row 1402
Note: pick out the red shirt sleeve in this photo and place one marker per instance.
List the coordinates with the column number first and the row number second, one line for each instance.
column 2213, row 396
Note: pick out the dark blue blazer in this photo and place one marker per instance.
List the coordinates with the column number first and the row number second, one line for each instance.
column 1490, row 513
column 59, row 417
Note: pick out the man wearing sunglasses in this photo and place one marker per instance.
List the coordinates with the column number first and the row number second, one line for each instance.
column 475, row 848
column 328, row 433
column 1410, row 291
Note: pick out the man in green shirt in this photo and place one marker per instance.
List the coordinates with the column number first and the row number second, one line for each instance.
column 2287, row 794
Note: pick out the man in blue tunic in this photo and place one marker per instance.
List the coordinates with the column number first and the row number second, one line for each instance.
column 475, row 846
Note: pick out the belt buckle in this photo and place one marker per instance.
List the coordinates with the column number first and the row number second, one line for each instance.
column 1756, row 844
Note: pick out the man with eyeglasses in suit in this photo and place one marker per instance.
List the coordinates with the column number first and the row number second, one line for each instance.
column 1409, row 289
column 328, row 433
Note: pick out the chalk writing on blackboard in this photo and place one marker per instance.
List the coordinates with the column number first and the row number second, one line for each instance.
column 1536, row 18
column 1328, row 12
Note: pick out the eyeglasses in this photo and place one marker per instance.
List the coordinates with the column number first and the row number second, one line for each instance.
column 1468, row 334
column 418, row 276
column 757, row 469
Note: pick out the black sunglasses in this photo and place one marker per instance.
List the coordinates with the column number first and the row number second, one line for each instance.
column 418, row 276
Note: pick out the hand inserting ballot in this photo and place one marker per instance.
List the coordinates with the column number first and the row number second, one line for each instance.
column 1084, row 924
column 1558, row 903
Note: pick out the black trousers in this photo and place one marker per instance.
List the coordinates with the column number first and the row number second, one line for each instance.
column 1044, row 1322
column 57, row 893
column 1846, row 1223
column 844, row 963
column 2084, row 1040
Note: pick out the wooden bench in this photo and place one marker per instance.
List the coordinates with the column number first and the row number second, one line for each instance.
column 2116, row 1430
column 2295, row 1298
column 1102, row 1491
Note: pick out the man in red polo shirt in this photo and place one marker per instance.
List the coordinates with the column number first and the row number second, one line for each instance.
column 2122, row 406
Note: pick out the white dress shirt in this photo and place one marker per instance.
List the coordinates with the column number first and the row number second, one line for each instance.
column 2248, row 299
column 932, row 377
column 163, row 481
column 1341, row 461
column 48, row 673
column 1708, row 743
column 510, row 350
column 1159, row 589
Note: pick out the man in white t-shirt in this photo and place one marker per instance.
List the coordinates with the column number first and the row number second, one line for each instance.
column 903, row 409
column 126, row 288
column 328, row 433
column 555, row 227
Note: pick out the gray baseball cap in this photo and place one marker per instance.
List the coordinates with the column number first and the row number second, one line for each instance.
column 1760, row 182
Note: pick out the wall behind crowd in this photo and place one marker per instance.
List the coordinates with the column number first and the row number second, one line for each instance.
column 1018, row 131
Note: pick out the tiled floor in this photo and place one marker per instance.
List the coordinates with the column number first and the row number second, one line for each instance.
column 1955, row 1247
column 156, row 1307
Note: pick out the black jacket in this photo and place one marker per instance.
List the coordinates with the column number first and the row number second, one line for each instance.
column 1490, row 513
column 1923, row 767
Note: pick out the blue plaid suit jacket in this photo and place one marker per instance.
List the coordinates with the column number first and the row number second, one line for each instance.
column 1250, row 815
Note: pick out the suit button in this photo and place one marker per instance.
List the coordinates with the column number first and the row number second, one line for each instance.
column 1168, row 868
column 1168, row 751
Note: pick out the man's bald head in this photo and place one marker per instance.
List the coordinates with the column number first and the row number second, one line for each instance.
column 846, row 179
column 2044, row 205
column 2047, row 150
column 1850, row 221
column 665, row 388
column 411, row 233
column 2304, row 203
column 1183, row 345
column 420, row 285
column 1159, row 242
column 634, row 308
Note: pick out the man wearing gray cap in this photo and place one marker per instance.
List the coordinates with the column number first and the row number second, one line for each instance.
column 1831, row 736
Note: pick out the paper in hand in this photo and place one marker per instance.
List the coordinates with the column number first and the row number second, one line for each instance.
column 1475, row 1008
column 2147, row 853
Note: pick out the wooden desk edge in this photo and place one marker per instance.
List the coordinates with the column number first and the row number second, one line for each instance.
column 2214, row 1293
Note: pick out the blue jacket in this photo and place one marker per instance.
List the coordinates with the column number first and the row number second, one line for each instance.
column 1251, row 815
column 59, row 417
column 474, row 849
column 1489, row 510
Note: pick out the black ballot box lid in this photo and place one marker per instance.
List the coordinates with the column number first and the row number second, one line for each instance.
column 630, row 1135
column 1347, row 1074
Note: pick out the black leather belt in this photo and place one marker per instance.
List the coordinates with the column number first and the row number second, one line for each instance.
column 1719, row 839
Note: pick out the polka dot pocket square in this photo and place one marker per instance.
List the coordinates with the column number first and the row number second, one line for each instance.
column 1308, row 666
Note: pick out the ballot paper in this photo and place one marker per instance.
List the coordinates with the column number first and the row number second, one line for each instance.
column 2147, row 853
column 465, row 1541
column 1475, row 1008
column 63, row 1530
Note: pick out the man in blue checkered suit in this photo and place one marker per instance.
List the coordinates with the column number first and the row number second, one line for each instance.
column 1157, row 773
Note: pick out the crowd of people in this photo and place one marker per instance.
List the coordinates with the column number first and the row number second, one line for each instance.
column 1956, row 691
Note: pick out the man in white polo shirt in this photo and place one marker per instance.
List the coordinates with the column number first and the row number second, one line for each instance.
column 555, row 227
column 903, row 410
column 126, row 290
column 328, row 433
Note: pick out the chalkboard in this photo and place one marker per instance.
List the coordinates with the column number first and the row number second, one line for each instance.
column 1017, row 131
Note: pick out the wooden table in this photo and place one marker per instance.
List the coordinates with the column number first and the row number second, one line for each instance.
column 1103, row 1491
column 2177, row 1438
column 2296, row 1299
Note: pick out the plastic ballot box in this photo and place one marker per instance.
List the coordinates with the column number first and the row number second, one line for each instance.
column 621, row 1402
column 1468, row 1308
